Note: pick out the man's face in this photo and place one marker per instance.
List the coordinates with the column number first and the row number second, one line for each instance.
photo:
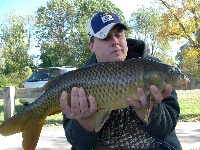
column 111, row 49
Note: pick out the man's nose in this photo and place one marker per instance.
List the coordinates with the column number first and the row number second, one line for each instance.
column 115, row 41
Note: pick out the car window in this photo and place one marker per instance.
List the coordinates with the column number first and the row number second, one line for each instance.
column 64, row 71
column 46, row 74
column 38, row 77
column 54, row 73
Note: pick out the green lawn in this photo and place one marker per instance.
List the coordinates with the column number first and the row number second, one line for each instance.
column 189, row 103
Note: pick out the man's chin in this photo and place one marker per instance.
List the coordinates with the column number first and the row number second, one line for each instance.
column 116, row 59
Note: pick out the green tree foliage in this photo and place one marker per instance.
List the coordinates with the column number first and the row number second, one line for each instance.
column 187, row 57
column 2, row 60
column 15, row 78
column 61, row 29
column 145, row 24
column 181, row 20
column 53, row 28
column 85, row 9
column 14, row 49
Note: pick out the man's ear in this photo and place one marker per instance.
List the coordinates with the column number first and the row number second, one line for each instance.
column 91, row 46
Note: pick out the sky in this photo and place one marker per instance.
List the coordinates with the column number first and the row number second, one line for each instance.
column 25, row 7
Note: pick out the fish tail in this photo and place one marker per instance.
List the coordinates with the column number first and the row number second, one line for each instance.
column 25, row 123
column 31, row 134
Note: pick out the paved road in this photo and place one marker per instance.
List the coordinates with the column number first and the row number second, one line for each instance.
column 53, row 138
column 189, row 135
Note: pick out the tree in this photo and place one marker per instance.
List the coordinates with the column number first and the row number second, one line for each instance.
column 2, row 61
column 15, row 42
column 181, row 20
column 187, row 56
column 85, row 9
column 145, row 24
column 14, row 48
column 53, row 28
column 61, row 30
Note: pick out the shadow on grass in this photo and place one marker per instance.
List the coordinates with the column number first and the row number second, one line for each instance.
column 189, row 118
column 18, row 108
column 53, row 122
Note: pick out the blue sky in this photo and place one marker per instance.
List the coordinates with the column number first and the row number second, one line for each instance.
column 25, row 7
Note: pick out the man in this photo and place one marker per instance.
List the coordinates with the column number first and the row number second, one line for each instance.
column 125, row 128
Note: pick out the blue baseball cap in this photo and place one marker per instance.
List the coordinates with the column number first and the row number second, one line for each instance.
column 101, row 24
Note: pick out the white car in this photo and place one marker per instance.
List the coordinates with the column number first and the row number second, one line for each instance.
column 40, row 77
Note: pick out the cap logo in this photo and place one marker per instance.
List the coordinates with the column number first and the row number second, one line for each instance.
column 89, row 34
column 106, row 17
column 101, row 24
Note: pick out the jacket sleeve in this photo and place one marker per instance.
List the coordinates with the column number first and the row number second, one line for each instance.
column 77, row 136
column 164, row 116
column 136, row 48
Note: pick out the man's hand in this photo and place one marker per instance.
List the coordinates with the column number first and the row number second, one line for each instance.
column 141, row 107
column 81, row 108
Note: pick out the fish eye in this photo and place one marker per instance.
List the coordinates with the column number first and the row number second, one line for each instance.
column 172, row 69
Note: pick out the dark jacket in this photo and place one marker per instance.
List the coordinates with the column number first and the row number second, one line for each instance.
column 162, row 120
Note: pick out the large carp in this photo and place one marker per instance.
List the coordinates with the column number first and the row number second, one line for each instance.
column 110, row 83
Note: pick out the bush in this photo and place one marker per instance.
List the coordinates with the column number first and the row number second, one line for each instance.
column 15, row 78
column 3, row 81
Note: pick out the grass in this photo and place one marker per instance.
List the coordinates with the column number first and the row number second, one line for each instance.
column 189, row 102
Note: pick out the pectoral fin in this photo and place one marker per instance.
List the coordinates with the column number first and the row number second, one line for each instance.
column 148, row 108
column 149, row 96
column 100, row 118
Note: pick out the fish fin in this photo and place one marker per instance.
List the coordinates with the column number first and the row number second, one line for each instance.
column 100, row 118
column 23, row 122
column 16, row 123
column 148, row 107
column 31, row 133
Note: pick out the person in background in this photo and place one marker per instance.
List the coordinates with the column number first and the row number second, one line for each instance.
column 125, row 128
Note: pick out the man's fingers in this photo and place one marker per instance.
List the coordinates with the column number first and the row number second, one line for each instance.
column 167, row 92
column 93, row 105
column 156, row 94
column 134, row 103
column 64, row 103
column 83, row 102
column 142, row 96
column 80, row 106
column 75, row 109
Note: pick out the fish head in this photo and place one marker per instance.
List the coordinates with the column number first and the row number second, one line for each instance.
column 174, row 76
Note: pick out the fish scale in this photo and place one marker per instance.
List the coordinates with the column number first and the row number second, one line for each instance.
column 109, row 83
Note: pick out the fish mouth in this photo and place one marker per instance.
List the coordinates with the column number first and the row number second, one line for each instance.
column 184, row 82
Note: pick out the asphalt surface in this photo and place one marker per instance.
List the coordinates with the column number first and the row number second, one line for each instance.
column 53, row 138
